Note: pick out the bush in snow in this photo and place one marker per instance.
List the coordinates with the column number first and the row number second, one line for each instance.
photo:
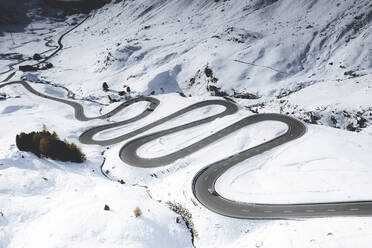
column 137, row 212
column 49, row 145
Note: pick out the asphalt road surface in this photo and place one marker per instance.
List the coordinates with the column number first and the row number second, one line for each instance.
column 203, row 184
column 47, row 44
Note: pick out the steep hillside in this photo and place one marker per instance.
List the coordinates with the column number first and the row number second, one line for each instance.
column 257, row 50
column 12, row 12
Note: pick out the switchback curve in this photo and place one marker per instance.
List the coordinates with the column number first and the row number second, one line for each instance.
column 204, row 182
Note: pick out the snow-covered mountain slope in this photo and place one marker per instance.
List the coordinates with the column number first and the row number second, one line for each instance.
column 308, row 59
column 165, row 46
column 44, row 203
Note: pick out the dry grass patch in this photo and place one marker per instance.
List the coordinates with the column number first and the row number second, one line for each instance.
column 137, row 212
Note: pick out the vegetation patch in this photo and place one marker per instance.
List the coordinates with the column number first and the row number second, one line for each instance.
column 47, row 144
column 137, row 212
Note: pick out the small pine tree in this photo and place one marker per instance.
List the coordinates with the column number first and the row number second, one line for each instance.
column 49, row 145
column 105, row 86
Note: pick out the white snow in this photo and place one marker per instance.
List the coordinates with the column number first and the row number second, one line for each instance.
column 61, row 205
column 299, row 55
column 309, row 170
column 54, row 204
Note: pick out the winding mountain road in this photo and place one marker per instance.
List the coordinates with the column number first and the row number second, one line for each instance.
column 47, row 43
column 203, row 185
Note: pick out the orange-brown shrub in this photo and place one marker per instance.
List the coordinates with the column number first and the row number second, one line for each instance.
column 49, row 145
column 137, row 212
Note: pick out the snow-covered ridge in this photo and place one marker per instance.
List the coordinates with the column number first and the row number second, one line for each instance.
column 164, row 46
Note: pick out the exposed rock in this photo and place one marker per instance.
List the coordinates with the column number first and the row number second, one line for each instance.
column 36, row 56
column 2, row 96
column 215, row 91
column 186, row 216
column 244, row 95
column 105, row 86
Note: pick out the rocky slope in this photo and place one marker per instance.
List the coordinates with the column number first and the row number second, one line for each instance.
column 272, row 53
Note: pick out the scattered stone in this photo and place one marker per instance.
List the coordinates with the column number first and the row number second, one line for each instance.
column 350, row 73
column 208, row 72
column 215, row 91
column 361, row 122
column 313, row 118
column 105, row 86
column 113, row 98
column 359, row 16
column 350, row 127
column 44, row 66
column 245, row 95
column 122, row 93
column 334, row 120
column 106, row 208
column 229, row 99
column 259, row 244
column 36, row 56
column 186, row 216
column 192, row 81
column 2, row 96
column 154, row 175
column 47, row 66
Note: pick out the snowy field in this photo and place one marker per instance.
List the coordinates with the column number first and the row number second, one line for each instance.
column 311, row 60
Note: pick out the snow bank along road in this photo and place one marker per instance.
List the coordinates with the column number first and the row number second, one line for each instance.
column 204, row 181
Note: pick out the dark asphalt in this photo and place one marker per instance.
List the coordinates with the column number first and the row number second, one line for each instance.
column 203, row 185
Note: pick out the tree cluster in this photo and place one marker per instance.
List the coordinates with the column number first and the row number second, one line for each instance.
column 49, row 145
